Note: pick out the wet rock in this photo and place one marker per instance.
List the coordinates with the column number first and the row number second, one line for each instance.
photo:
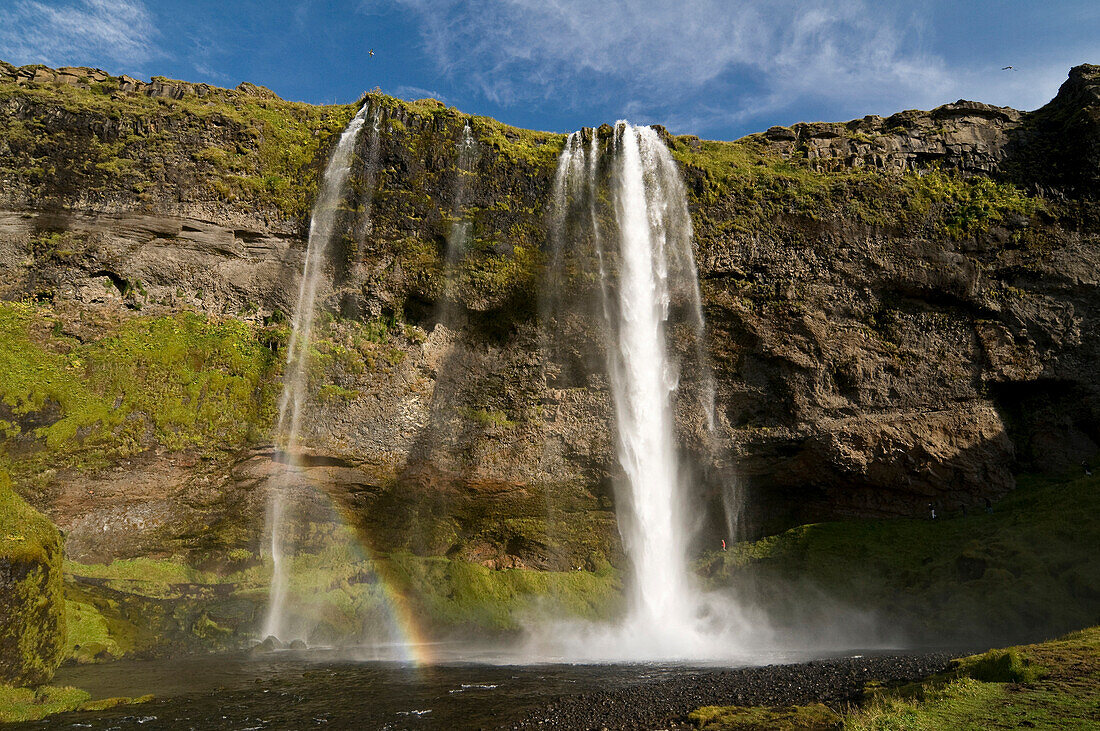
column 271, row 643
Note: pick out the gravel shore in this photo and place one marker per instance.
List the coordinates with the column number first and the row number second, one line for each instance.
column 665, row 703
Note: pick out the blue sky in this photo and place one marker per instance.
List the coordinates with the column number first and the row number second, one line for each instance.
column 717, row 68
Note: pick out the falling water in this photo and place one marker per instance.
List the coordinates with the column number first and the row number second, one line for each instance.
column 643, row 381
column 296, row 378
column 642, row 250
column 458, row 237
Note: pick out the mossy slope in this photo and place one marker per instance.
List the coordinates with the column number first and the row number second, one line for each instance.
column 1050, row 685
column 179, row 381
column 32, row 631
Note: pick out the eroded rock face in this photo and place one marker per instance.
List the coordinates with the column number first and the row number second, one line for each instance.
column 863, row 368
column 969, row 136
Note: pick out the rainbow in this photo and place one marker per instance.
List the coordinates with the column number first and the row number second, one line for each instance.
column 411, row 643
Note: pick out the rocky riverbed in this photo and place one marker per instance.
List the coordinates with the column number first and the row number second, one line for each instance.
column 665, row 702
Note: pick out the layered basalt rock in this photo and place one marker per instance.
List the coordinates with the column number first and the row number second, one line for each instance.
column 879, row 343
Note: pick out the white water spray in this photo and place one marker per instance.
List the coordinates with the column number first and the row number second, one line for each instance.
column 296, row 377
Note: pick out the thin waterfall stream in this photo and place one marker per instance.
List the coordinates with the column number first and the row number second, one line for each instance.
column 296, row 376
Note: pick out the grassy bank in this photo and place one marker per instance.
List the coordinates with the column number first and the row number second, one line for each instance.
column 34, row 704
column 1050, row 685
column 1045, row 686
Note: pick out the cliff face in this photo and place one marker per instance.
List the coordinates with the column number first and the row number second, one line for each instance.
column 900, row 312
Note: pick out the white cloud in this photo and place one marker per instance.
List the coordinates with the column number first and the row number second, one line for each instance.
column 516, row 49
column 746, row 58
column 75, row 32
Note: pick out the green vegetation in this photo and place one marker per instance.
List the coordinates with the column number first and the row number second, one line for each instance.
column 31, row 604
column 536, row 149
column 990, row 692
column 1001, row 666
column 966, row 206
column 88, row 637
column 528, row 147
column 763, row 187
column 339, row 590
column 26, row 704
column 461, row 595
column 489, row 418
column 813, row 717
column 1028, row 568
column 266, row 151
column 183, row 380
column 1051, row 685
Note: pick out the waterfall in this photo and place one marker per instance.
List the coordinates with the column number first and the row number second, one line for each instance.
column 643, row 381
column 622, row 212
column 458, row 236
column 296, row 375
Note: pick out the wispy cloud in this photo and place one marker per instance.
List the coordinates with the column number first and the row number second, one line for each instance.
column 412, row 93
column 730, row 60
column 79, row 31
column 519, row 48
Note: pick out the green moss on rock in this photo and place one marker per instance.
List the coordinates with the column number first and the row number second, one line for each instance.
column 217, row 145
column 26, row 704
column 32, row 632
column 178, row 381
column 813, row 717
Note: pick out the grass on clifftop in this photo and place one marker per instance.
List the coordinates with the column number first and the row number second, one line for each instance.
column 765, row 187
column 265, row 151
column 178, row 381
column 1030, row 568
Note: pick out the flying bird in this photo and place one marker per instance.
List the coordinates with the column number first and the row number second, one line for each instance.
column 371, row 52
column 1006, row 68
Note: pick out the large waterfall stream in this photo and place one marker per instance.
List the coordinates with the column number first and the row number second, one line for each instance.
column 643, row 381
column 623, row 209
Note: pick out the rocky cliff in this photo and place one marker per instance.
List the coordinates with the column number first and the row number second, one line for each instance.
column 901, row 312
